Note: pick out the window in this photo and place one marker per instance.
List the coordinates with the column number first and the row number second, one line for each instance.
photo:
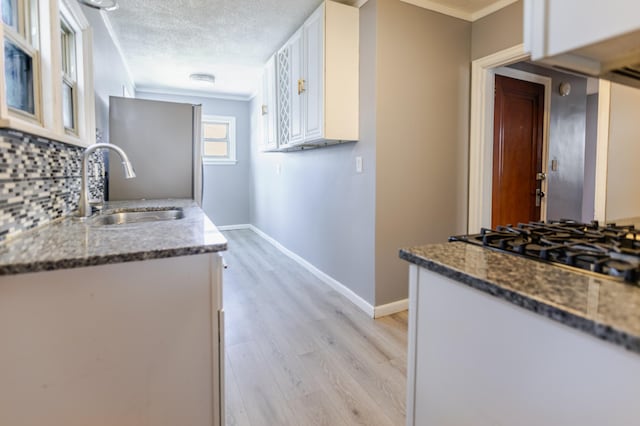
column 69, row 81
column 218, row 140
column 21, row 60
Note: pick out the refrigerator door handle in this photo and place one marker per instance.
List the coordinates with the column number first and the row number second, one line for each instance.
column 198, row 167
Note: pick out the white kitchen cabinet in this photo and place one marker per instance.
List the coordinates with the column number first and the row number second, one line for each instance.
column 318, row 79
column 290, row 65
column 590, row 36
column 474, row 359
column 313, row 76
column 134, row 343
column 269, row 107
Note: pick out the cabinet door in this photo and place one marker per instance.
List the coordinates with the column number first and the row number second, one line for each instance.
column 269, row 129
column 283, row 72
column 297, row 88
column 314, row 76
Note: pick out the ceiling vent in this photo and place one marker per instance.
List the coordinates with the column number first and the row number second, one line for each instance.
column 628, row 75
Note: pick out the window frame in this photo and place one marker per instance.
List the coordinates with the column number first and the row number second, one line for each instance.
column 42, row 29
column 69, row 58
column 23, row 38
column 230, row 121
column 71, row 14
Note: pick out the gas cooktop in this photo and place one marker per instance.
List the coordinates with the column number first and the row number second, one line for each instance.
column 611, row 250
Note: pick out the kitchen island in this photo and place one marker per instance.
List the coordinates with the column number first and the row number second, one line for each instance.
column 113, row 324
column 498, row 339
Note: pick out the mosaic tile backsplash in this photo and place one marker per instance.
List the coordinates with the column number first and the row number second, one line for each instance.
column 40, row 180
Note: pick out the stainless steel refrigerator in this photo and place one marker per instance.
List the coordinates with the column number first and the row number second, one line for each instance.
column 163, row 141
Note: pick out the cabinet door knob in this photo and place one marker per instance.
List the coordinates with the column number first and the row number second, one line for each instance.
column 301, row 88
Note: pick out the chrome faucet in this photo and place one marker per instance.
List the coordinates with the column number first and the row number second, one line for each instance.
column 84, row 208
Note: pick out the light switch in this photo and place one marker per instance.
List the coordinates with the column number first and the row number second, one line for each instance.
column 554, row 165
column 278, row 168
column 358, row 164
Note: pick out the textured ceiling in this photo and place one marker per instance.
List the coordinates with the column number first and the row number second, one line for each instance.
column 164, row 41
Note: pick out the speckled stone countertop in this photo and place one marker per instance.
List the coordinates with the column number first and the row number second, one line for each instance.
column 602, row 307
column 72, row 243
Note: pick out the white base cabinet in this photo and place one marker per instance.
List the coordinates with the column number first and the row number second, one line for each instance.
column 477, row 360
column 136, row 343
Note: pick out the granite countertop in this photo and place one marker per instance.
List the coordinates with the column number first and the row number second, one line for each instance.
column 606, row 308
column 71, row 243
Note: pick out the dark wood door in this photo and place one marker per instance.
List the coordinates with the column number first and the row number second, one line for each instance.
column 517, row 150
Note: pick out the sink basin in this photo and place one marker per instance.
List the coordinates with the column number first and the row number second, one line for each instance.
column 123, row 217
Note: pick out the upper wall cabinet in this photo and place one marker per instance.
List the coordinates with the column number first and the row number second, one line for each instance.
column 269, row 109
column 317, row 79
column 593, row 37
column 47, row 78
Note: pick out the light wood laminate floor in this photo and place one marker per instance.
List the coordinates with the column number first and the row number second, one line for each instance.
column 298, row 353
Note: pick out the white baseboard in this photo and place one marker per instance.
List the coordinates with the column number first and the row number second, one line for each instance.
column 331, row 282
column 233, row 227
column 391, row 308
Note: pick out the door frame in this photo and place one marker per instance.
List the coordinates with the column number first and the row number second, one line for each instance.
column 483, row 72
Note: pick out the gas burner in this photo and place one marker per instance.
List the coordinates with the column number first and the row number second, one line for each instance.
column 612, row 249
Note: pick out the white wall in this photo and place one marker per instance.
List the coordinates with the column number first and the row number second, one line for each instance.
column 623, row 191
column 110, row 72
column 226, row 187
column 318, row 206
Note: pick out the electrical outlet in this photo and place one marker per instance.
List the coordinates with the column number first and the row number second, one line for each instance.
column 278, row 168
column 358, row 164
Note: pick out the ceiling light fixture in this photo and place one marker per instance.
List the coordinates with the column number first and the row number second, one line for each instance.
column 107, row 5
column 207, row 78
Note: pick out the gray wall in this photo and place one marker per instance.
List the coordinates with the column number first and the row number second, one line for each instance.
column 226, row 187
column 414, row 112
column 318, row 206
column 422, row 135
column 498, row 31
column 590, row 148
column 110, row 74
column 567, row 128
column 414, row 109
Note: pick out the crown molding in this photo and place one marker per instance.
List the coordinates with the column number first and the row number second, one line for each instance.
column 500, row 4
column 459, row 13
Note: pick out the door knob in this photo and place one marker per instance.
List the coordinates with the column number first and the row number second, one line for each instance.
column 539, row 195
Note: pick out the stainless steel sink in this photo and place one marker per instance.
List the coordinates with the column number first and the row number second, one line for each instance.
column 123, row 217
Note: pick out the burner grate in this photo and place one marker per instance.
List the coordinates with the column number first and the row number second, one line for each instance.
column 612, row 250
